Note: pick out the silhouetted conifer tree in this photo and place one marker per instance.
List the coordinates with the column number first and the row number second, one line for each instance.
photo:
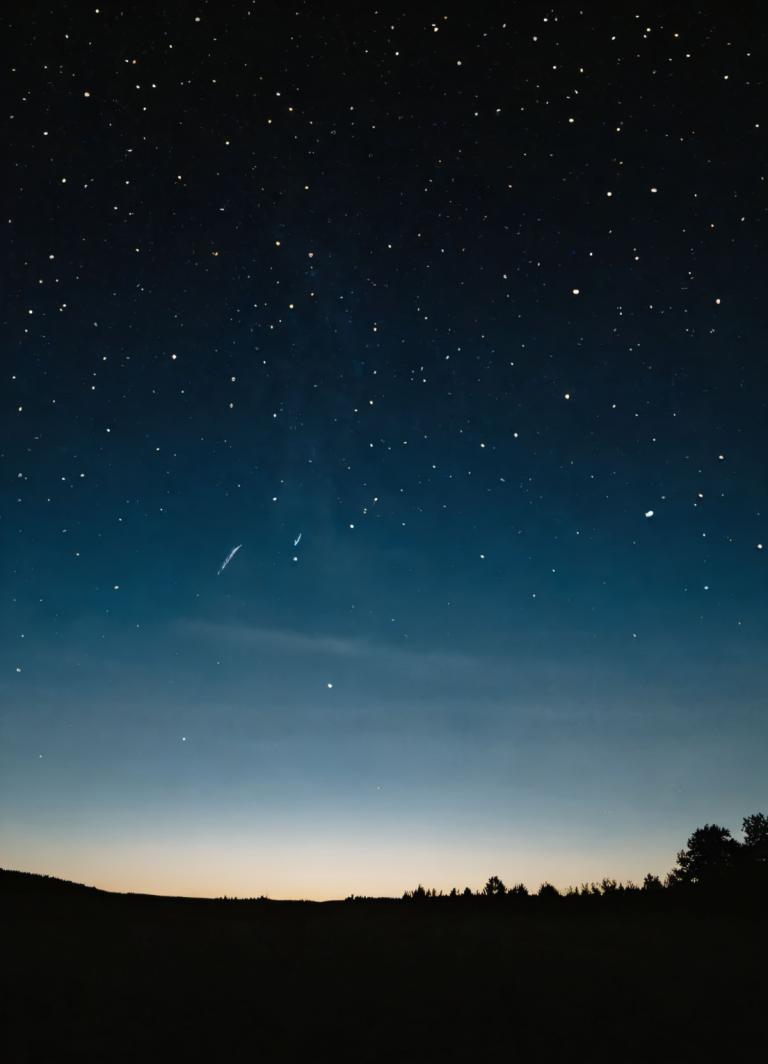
column 494, row 887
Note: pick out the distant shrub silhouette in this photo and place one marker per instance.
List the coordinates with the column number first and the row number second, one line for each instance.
column 609, row 886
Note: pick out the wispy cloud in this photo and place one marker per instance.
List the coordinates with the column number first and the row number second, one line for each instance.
column 287, row 642
column 556, row 685
column 416, row 671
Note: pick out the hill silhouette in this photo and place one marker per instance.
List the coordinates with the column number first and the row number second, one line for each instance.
column 605, row 972
column 14, row 882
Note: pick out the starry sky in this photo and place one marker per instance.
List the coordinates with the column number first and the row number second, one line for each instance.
column 472, row 307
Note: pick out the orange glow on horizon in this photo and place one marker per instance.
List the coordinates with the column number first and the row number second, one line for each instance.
column 296, row 869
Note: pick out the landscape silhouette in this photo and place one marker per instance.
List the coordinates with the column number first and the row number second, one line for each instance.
column 383, row 534
column 669, row 969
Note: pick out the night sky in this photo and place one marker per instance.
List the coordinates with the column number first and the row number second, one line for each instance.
column 475, row 307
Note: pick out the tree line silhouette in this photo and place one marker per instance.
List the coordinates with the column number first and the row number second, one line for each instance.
column 713, row 865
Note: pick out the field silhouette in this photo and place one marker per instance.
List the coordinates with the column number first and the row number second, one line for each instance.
column 665, row 971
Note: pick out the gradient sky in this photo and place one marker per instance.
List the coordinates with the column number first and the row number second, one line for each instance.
column 478, row 309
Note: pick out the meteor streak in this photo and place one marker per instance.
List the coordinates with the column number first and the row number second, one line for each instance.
column 229, row 558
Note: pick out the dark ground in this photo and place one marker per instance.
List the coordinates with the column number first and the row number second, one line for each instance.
column 91, row 976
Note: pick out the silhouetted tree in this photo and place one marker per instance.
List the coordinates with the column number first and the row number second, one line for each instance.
column 494, row 887
column 519, row 891
column 711, row 854
column 652, row 882
column 547, row 891
column 755, row 828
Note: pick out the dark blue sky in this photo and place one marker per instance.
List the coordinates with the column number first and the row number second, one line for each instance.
column 475, row 307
